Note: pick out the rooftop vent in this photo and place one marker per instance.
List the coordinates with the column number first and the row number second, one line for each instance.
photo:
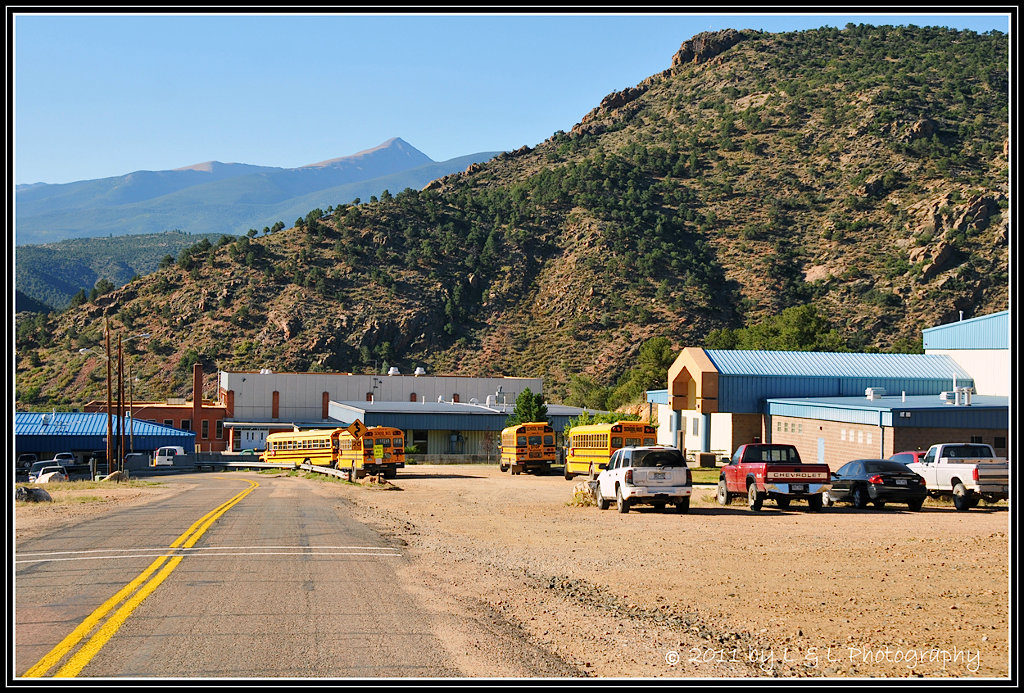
column 419, row 371
column 874, row 392
column 393, row 371
column 265, row 371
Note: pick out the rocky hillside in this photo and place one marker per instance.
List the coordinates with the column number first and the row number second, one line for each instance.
column 863, row 171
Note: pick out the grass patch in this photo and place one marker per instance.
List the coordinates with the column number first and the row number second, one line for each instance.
column 84, row 484
column 705, row 475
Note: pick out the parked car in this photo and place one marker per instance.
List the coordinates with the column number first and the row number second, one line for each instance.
column 759, row 471
column 909, row 456
column 165, row 456
column 876, row 481
column 966, row 471
column 655, row 475
column 26, row 460
column 37, row 467
column 136, row 460
column 53, row 473
column 66, row 458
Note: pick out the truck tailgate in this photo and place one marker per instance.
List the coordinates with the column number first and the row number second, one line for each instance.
column 797, row 474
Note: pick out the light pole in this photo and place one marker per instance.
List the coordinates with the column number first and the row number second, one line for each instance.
column 120, row 397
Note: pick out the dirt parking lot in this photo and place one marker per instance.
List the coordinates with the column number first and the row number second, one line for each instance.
column 718, row 592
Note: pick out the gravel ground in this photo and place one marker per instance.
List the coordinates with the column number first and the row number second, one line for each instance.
column 718, row 592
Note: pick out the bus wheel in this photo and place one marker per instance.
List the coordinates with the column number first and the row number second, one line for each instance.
column 566, row 474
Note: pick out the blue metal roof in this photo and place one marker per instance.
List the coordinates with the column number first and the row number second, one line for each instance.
column 928, row 411
column 87, row 430
column 985, row 332
column 818, row 364
column 748, row 378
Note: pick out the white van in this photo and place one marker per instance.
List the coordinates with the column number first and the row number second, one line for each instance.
column 165, row 456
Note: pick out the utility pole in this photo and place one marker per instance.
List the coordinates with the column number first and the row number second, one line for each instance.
column 120, row 407
column 110, row 428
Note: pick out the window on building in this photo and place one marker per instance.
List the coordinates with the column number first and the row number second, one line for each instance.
column 1000, row 442
column 696, row 426
column 412, row 396
column 205, row 429
column 168, row 422
column 842, row 434
column 976, row 439
column 186, row 424
column 220, row 430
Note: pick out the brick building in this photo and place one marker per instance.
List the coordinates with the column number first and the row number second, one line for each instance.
column 204, row 418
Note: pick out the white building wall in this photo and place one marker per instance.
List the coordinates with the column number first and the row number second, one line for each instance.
column 990, row 368
column 301, row 394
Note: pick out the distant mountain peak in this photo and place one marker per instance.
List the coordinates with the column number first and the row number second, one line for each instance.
column 395, row 144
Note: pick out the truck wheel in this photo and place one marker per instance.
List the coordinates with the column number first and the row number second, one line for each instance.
column 826, row 499
column 621, row 503
column 961, row 498
column 683, row 505
column 503, row 467
column 754, row 498
column 915, row 505
column 723, row 493
column 879, row 504
column 859, row 497
column 782, row 502
column 602, row 502
column 815, row 502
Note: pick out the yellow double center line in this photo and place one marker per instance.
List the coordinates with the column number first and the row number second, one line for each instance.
column 131, row 595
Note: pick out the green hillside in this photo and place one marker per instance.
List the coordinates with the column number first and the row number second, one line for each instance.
column 861, row 171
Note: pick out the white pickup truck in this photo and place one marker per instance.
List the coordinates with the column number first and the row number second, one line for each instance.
column 966, row 471
column 654, row 475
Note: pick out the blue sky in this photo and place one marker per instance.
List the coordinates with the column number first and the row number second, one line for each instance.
column 103, row 95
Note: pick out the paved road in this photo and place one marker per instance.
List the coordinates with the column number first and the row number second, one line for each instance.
column 282, row 583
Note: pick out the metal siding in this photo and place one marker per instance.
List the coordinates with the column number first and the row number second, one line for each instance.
column 985, row 332
column 657, row 396
column 811, row 411
column 958, row 417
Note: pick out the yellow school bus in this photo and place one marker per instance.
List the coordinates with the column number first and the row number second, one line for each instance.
column 380, row 450
column 591, row 446
column 361, row 450
column 316, row 446
column 527, row 447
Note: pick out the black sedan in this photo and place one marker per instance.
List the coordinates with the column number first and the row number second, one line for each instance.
column 876, row 481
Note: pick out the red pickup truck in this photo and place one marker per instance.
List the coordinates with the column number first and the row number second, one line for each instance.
column 765, row 470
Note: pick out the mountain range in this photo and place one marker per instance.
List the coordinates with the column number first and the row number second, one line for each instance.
column 861, row 172
column 215, row 197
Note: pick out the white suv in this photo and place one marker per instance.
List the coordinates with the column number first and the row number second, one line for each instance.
column 656, row 475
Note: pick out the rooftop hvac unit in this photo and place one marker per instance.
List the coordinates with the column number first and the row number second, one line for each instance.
column 874, row 392
column 947, row 397
column 393, row 371
column 419, row 371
